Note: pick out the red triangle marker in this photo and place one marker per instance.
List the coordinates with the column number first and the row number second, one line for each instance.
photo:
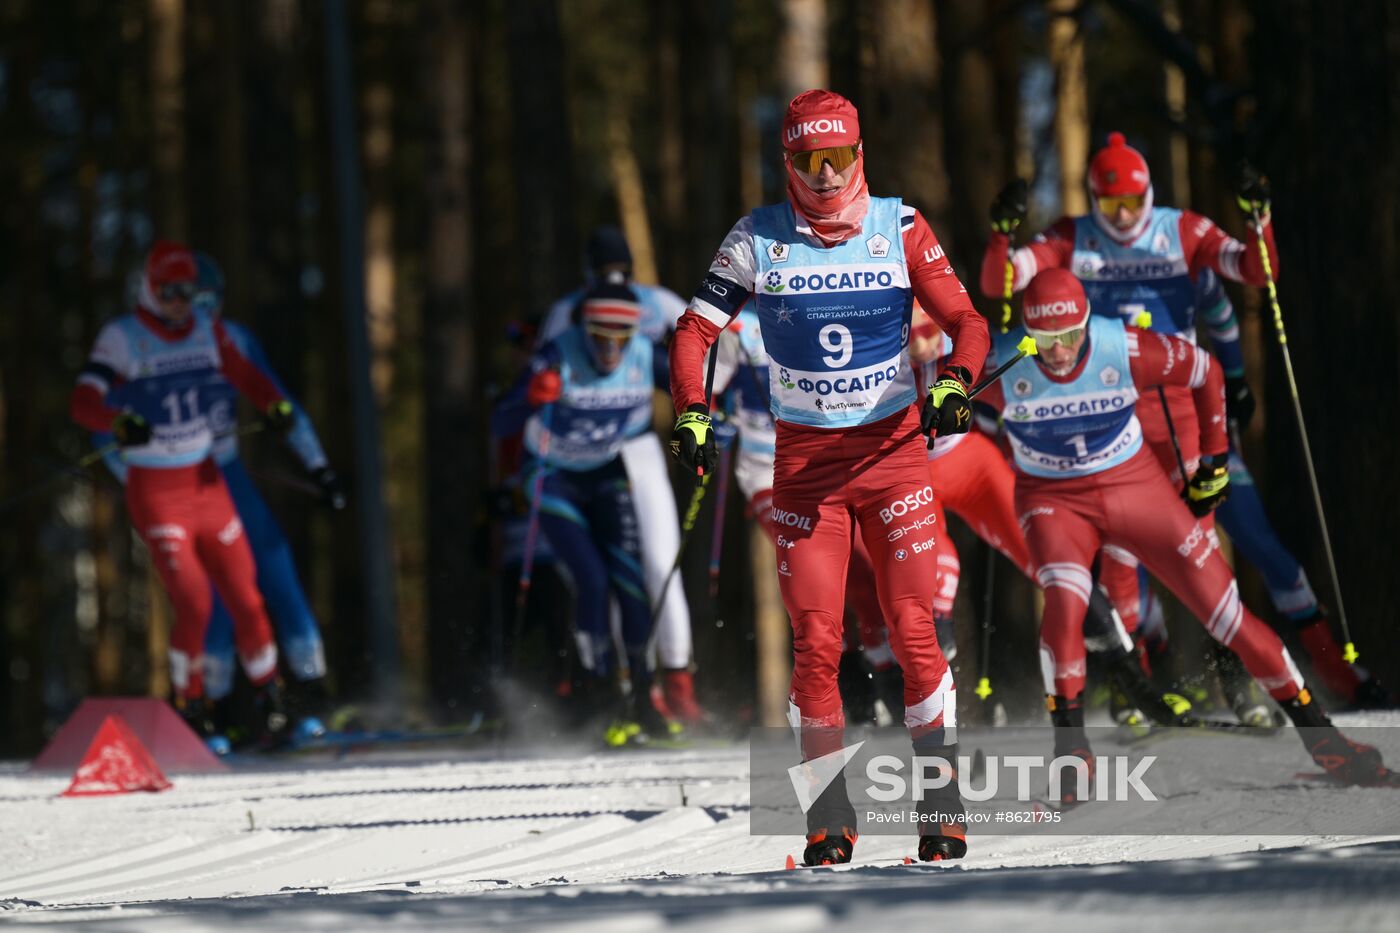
column 116, row 763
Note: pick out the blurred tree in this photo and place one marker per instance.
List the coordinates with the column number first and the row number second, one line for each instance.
column 1329, row 136
column 451, row 349
column 1066, row 49
column 542, row 154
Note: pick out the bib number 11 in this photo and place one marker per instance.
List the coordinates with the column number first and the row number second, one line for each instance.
column 171, row 403
column 837, row 339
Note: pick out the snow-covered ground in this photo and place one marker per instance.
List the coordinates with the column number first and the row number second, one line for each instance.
column 623, row 841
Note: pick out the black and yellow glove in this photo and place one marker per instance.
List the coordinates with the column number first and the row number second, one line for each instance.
column 693, row 441
column 131, row 430
column 946, row 408
column 280, row 416
column 1210, row 486
column 1253, row 191
column 1009, row 208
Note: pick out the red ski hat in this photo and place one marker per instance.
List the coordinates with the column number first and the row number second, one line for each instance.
column 820, row 120
column 1118, row 169
column 170, row 262
column 1054, row 303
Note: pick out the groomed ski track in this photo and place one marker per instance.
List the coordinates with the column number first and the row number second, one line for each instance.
column 623, row 841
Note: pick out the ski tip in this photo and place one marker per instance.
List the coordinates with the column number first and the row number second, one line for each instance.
column 908, row 860
column 791, row 863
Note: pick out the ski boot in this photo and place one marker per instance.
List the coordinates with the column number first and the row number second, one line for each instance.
column 1071, row 741
column 831, row 827
column 201, row 715
column 639, row 722
column 306, row 704
column 942, row 819
column 1370, row 694
column 271, row 725
column 1345, row 760
column 1247, row 701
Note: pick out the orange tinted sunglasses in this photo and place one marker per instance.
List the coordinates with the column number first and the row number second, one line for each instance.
column 1109, row 204
column 811, row 161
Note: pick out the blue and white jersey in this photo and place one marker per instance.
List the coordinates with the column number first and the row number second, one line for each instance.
column 1076, row 428
column 597, row 412
column 219, row 399
column 835, row 320
column 1148, row 274
column 661, row 308
column 167, row 382
column 741, row 375
column 223, row 407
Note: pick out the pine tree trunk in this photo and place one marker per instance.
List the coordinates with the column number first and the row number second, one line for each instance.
column 1071, row 105
column 452, row 410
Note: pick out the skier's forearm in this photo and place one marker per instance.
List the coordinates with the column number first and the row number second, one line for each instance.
column 993, row 278
column 694, row 337
column 88, row 407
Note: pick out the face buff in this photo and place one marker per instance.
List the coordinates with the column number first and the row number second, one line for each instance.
column 824, row 120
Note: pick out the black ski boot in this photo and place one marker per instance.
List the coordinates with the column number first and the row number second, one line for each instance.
column 272, row 728
column 1135, row 698
column 1345, row 760
column 203, row 717
column 1247, row 701
column 831, row 826
column 638, row 722
column 1372, row 694
column 307, row 707
column 942, row 818
column 1071, row 741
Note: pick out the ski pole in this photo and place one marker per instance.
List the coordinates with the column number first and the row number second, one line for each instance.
column 1176, row 444
column 692, row 513
column 532, row 525
column 717, row 538
column 984, row 664
column 88, row 460
column 1007, row 289
column 1025, row 348
column 984, row 682
column 1348, row 647
column 56, row 477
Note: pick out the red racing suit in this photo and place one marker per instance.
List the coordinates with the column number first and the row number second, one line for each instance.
column 1133, row 505
column 175, row 493
column 848, row 462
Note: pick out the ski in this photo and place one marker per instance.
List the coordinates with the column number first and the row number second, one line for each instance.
column 1389, row 778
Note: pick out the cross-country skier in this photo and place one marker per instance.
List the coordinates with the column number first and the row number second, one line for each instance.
column 1084, row 480
column 299, row 636
column 833, row 273
column 1136, row 258
column 145, row 382
column 609, row 258
column 582, row 397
